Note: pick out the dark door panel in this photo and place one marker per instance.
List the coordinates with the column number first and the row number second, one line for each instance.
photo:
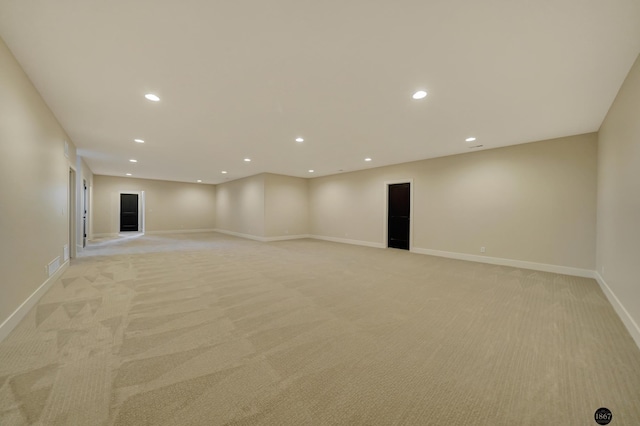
column 128, row 212
column 398, row 220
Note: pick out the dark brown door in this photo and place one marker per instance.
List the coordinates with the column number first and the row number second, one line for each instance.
column 399, row 212
column 128, row 212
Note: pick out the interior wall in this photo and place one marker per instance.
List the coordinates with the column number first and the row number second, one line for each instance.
column 34, row 183
column 534, row 202
column 286, row 206
column 240, row 206
column 169, row 206
column 618, row 254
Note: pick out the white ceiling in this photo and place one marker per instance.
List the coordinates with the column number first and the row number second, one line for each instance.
column 245, row 78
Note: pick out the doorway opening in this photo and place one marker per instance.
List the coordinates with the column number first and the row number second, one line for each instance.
column 398, row 214
column 129, row 213
column 85, row 204
column 70, row 247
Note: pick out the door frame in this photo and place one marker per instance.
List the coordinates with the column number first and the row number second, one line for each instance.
column 385, row 221
column 141, row 215
column 71, row 209
column 84, row 208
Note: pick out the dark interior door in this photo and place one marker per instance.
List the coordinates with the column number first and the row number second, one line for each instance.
column 128, row 212
column 399, row 212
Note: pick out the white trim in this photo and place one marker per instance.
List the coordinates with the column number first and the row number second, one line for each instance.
column 262, row 239
column 241, row 235
column 72, row 207
column 14, row 319
column 566, row 270
column 346, row 241
column 299, row 236
column 385, row 219
column 624, row 315
column 287, row 237
column 181, row 231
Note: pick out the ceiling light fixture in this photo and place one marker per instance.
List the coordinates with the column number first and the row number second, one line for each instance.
column 199, row 180
column 224, row 172
column 138, row 140
column 152, row 97
column 420, row 94
column 133, row 161
column 128, row 174
column 299, row 140
column 471, row 139
column 367, row 159
column 248, row 160
column 311, row 170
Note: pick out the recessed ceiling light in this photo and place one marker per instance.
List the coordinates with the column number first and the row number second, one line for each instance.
column 311, row 170
column 224, row 172
column 299, row 140
column 420, row 94
column 138, row 140
column 199, row 180
column 471, row 139
column 133, row 161
column 128, row 174
column 152, row 97
column 367, row 159
column 247, row 160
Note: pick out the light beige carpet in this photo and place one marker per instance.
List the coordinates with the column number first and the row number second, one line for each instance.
column 206, row 329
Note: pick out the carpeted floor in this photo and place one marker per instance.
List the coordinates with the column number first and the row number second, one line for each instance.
column 207, row 329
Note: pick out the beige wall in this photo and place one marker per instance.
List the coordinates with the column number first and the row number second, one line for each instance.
column 618, row 258
column 534, row 202
column 169, row 206
column 240, row 206
column 286, row 206
column 34, row 182
column 263, row 206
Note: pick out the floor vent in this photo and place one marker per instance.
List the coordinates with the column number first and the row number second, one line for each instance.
column 53, row 266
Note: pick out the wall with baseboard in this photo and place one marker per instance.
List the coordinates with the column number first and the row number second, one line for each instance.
column 286, row 206
column 533, row 202
column 618, row 230
column 34, row 183
column 264, row 207
column 169, row 206
column 240, row 207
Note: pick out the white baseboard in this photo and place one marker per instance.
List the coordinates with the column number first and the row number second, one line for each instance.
column 262, row 239
column 566, row 270
column 239, row 234
column 181, row 231
column 347, row 241
column 12, row 321
column 298, row 237
column 287, row 237
column 624, row 315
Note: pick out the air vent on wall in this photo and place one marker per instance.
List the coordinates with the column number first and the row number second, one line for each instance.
column 53, row 266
